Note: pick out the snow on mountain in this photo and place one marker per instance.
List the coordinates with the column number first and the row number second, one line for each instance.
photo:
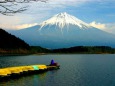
column 64, row 30
column 64, row 20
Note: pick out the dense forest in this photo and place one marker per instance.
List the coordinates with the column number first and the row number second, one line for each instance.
column 11, row 44
column 39, row 50
column 86, row 49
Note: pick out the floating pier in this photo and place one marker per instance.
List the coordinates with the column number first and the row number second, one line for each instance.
column 25, row 70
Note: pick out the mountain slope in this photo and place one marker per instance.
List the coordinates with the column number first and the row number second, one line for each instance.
column 64, row 20
column 8, row 41
column 64, row 30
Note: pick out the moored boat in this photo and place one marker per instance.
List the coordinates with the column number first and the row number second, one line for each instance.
column 25, row 70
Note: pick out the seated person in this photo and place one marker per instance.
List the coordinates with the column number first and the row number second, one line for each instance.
column 53, row 63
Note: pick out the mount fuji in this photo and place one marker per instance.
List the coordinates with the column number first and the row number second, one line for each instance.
column 64, row 30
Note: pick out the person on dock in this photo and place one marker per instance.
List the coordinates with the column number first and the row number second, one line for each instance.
column 53, row 63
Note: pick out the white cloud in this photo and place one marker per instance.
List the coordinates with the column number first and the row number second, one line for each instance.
column 56, row 4
column 108, row 27
column 98, row 25
column 70, row 2
column 25, row 26
column 17, row 21
column 39, row 11
column 17, row 27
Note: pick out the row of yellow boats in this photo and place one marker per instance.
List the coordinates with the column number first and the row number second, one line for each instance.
column 4, row 72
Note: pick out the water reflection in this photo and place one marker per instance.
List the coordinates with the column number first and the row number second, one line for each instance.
column 32, row 80
column 40, row 78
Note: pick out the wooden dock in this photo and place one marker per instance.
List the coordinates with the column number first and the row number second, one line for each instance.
column 24, row 70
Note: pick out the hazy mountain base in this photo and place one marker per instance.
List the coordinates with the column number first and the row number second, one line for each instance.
column 11, row 45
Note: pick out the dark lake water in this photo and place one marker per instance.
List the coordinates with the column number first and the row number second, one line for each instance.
column 76, row 70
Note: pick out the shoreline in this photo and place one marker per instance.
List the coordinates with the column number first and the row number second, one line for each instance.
column 48, row 54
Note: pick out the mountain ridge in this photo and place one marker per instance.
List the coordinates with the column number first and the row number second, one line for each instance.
column 50, row 35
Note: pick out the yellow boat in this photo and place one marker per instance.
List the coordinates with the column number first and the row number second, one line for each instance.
column 25, row 70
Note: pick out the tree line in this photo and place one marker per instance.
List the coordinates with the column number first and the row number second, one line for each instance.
column 86, row 49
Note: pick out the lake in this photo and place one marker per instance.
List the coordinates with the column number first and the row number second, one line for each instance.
column 75, row 70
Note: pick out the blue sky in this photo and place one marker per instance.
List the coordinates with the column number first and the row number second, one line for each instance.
column 98, row 13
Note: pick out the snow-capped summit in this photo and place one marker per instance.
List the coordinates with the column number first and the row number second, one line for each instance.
column 64, row 30
column 64, row 20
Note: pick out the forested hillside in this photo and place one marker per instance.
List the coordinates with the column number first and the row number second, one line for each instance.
column 11, row 44
column 86, row 49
